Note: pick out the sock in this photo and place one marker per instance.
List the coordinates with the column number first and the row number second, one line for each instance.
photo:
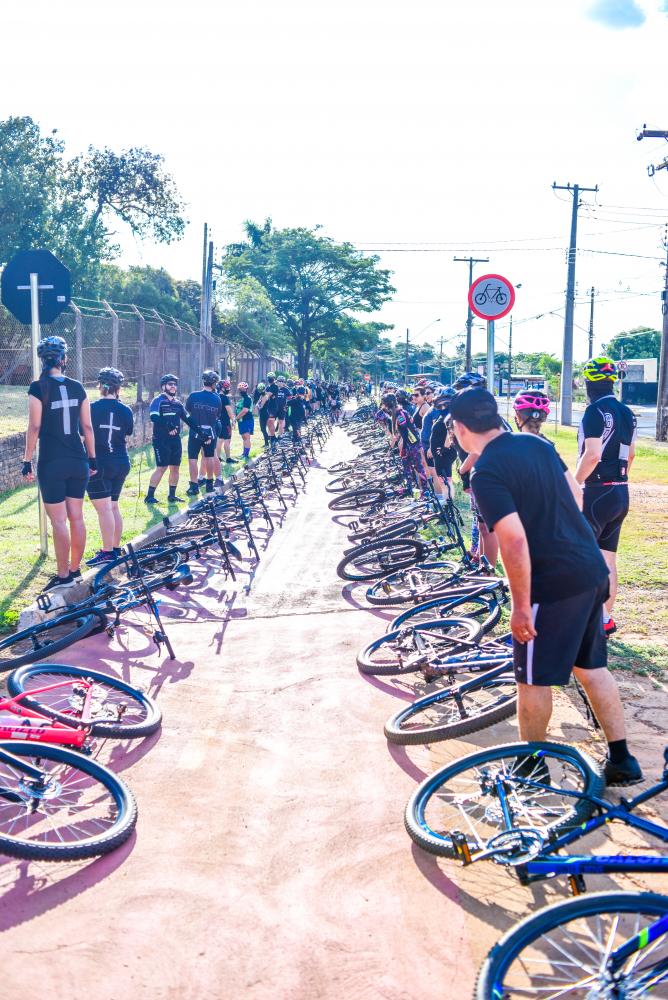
column 618, row 751
column 172, row 490
column 208, row 485
column 151, row 491
column 246, row 452
column 194, row 486
column 606, row 616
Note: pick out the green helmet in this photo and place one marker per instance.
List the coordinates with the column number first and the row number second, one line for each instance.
column 597, row 369
column 260, row 386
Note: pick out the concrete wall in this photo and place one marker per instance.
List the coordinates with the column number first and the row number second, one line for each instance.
column 11, row 448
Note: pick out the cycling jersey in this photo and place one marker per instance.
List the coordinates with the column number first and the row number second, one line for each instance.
column 204, row 407
column 59, row 433
column 614, row 424
column 224, row 418
column 166, row 414
column 405, row 428
column 112, row 424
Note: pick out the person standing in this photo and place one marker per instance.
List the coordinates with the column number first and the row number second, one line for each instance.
column 282, row 396
column 405, row 434
column 112, row 425
column 58, row 416
column 204, row 407
column 224, row 426
column 298, row 412
column 245, row 417
column 166, row 412
column 606, row 445
column 557, row 577
column 270, row 403
column 439, row 448
column 261, row 408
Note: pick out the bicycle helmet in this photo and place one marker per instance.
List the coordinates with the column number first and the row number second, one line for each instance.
column 443, row 396
column 469, row 380
column 224, row 384
column 242, row 386
column 526, row 399
column 169, row 378
column 271, row 376
column 403, row 397
column 51, row 351
column 209, row 377
column 260, row 387
column 597, row 369
column 301, row 391
column 110, row 378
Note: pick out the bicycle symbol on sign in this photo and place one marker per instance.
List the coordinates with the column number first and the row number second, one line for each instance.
column 491, row 293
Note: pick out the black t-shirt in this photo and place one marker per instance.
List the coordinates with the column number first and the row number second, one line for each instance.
column 282, row 395
column 437, row 446
column 166, row 413
column 60, row 432
column 204, row 407
column 225, row 401
column 112, row 424
column 298, row 409
column 615, row 425
column 522, row 473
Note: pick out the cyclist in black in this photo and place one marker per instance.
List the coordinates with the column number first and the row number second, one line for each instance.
column 297, row 411
column 224, row 427
column 558, row 579
column 112, row 425
column 606, row 442
column 269, row 402
column 166, row 413
column 439, row 447
column 282, row 395
column 59, row 415
column 258, row 396
column 204, row 407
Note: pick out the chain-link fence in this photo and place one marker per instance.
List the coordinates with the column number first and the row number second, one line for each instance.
column 139, row 341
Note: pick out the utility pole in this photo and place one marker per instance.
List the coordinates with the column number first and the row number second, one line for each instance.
column 662, row 397
column 654, row 133
column 406, row 365
column 567, row 363
column 592, row 293
column 469, row 321
column 510, row 366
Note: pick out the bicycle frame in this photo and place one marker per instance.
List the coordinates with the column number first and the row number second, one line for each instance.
column 48, row 730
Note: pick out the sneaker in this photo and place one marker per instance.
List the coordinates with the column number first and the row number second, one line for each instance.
column 218, row 485
column 626, row 772
column 100, row 558
column 192, row 491
column 609, row 628
column 118, row 551
column 75, row 575
column 175, row 499
column 148, row 499
column 200, row 482
column 231, row 461
column 58, row 581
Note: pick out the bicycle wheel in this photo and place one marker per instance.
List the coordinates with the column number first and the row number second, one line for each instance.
column 455, row 711
column 406, row 527
column 565, row 950
column 157, row 562
column 444, row 607
column 357, row 499
column 417, row 583
column 48, row 637
column 116, row 709
column 464, row 796
column 368, row 562
column 75, row 809
column 408, row 650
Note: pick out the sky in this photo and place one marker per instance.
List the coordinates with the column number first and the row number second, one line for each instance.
column 420, row 131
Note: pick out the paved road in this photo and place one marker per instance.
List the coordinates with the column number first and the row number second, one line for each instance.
column 270, row 860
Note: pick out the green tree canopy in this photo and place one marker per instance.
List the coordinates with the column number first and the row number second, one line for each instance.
column 315, row 286
column 640, row 342
column 152, row 288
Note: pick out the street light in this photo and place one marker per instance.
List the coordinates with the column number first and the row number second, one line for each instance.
column 437, row 320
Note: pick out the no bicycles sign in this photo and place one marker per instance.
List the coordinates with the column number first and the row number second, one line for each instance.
column 491, row 296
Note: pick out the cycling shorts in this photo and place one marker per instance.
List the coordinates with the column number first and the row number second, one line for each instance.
column 246, row 425
column 110, row 477
column 570, row 633
column 271, row 408
column 225, row 431
column 168, row 451
column 605, row 508
column 66, row 477
column 196, row 444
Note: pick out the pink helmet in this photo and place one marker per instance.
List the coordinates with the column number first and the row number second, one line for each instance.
column 528, row 399
column 242, row 386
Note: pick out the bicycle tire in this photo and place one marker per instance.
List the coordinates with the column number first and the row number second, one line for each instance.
column 406, row 527
column 357, row 499
column 463, row 629
column 575, row 812
column 121, row 826
column 49, row 637
column 443, row 574
column 440, row 607
column 397, row 553
column 501, row 690
column 158, row 561
column 147, row 710
column 490, row 982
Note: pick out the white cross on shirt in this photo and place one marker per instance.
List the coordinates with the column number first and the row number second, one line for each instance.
column 111, row 428
column 64, row 405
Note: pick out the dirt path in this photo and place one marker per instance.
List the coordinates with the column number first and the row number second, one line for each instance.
column 270, row 859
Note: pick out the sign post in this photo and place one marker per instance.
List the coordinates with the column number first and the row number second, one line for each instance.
column 47, row 283
column 491, row 297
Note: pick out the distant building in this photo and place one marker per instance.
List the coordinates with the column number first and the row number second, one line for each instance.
column 639, row 384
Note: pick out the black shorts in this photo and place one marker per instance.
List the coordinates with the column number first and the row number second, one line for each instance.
column 271, row 408
column 570, row 633
column 168, row 451
column 225, row 432
column 196, row 444
column 66, row 477
column 109, row 479
column 429, row 461
column 605, row 508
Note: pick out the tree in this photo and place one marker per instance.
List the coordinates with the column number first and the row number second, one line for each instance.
column 315, row 286
column 640, row 342
column 152, row 288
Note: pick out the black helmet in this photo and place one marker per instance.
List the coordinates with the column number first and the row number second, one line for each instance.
column 51, row 350
column 111, row 378
column 470, row 380
column 169, row 378
column 443, row 396
column 209, row 377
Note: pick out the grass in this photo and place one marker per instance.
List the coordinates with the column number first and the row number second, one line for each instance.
column 25, row 571
column 14, row 406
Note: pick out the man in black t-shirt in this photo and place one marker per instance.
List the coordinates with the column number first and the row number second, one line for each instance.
column 167, row 412
column 558, row 579
column 606, row 447
column 204, row 407
column 282, row 395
